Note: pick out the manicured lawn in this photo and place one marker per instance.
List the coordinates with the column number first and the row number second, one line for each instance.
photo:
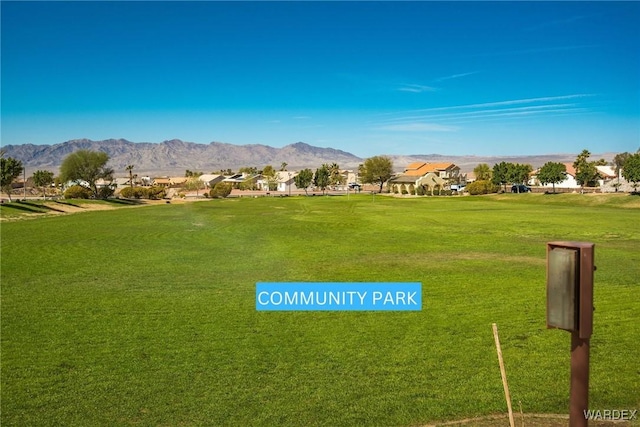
column 147, row 316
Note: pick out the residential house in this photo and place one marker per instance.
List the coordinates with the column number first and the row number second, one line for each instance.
column 426, row 175
column 569, row 182
column 283, row 181
column 241, row 179
column 177, row 181
column 351, row 177
column 445, row 170
column 210, row 180
column 286, row 181
column 162, row 182
column 122, row 182
column 607, row 174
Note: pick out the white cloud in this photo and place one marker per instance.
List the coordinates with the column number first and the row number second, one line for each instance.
column 419, row 127
column 452, row 118
column 417, row 88
column 455, row 76
column 497, row 103
column 528, row 110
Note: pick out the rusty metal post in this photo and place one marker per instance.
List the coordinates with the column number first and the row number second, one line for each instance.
column 579, row 391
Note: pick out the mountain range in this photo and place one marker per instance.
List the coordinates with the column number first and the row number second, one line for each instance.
column 173, row 157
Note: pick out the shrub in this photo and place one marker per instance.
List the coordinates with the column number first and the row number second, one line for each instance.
column 105, row 192
column 155, row 192
column 127, row 192
column 420, row 191
column 134, row 193
column 77, row 192
column 481, row 187
column 220, row 190
column 249, row 184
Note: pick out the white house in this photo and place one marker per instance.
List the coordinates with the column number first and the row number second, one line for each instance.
column 283, row 179
column 286, row 181
column 607, row 174
column 210, row 180
column 569, row 182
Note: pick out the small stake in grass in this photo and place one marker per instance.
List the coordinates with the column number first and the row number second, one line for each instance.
column 504, row 375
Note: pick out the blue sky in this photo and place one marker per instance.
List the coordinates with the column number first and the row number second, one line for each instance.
column 484, row 78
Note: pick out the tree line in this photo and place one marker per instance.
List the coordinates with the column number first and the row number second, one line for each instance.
column 586, row 172
column 87, row 167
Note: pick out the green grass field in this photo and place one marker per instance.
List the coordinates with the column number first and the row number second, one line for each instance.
column 146, row 316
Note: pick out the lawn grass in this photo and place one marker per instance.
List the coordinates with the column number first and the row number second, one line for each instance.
column 147, row 316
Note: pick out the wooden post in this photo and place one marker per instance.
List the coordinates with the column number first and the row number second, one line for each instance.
column 504, row 375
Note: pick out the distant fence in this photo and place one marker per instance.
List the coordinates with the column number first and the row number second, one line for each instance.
column 585, row 190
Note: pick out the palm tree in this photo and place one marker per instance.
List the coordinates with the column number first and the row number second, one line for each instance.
column 482, row 172
column 130, row 169
column 334, row 174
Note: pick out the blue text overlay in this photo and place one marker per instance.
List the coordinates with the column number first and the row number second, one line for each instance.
column 338, row 296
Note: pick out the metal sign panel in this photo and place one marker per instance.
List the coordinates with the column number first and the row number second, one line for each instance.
column 562, row 288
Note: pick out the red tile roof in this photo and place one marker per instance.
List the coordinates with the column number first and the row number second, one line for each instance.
column 421, row 168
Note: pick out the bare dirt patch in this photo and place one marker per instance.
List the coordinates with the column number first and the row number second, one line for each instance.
column 49, row 208
column 58, row 208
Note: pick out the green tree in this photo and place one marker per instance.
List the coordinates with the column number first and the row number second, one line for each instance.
column 88, row 166
column 194, row 183
column 43, row 179
column 10, row 170
column 586, row 172
column 268, row 171
column 283, row 166
column 482, row 172
column 321, row 177
column 249, row 170
column 270, row 175
column 376, row 170
column 631, row 171
column 618, row 163
column 552, row 173
column 248, row 184
column 518, row 173
column 500, row 174
column 619, row 160
column 304, row 179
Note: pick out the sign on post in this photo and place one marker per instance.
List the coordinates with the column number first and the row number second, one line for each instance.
column 570, row 287
column 570, row 307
